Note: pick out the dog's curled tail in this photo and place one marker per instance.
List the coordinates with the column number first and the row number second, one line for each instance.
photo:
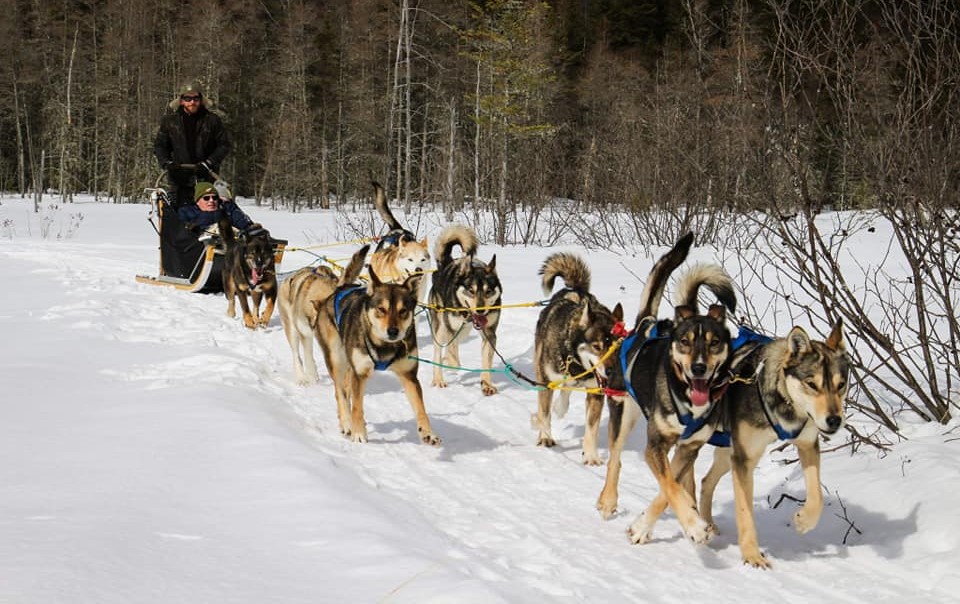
column 455, row 234
column 225, row 228
column 352, row 272
column 380, row 202
column 659, row 274
column 569, row 267
column 714, row 278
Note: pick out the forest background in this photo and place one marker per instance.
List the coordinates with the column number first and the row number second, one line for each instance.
column 609, row 121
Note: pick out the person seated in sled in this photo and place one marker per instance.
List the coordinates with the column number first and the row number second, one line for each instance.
column 208, row 208
column 191, row 144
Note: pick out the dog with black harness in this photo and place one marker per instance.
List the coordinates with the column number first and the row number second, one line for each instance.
column 249, row 273
column 367, row 328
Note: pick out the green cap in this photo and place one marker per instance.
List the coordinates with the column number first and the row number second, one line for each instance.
column 202, row 189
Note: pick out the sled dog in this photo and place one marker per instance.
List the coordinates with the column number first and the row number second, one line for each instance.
column 398, row 254
column 249, row 273
column 362, row 328
column 573, row 333
column 465, row 290
column 298, row 315
column 676, row 372
column 791, row 389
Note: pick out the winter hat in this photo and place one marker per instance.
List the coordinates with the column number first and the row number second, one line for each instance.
column 190, row 88
column 202, row 189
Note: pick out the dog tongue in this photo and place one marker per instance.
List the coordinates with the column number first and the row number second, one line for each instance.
column 479, row 321
column 254, row 276
column 699, row 392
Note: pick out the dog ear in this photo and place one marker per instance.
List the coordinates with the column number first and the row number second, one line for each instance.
column 618, row 312
column 798, row 341
column 412, row 282
column 492, row 265
column 585, row 314
column 426, row 242
column 374, row 280
column 835, row 341
column 717, row 312
column 683, row 312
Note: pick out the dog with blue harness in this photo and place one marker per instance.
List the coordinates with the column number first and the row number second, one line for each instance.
column 675, row 372
column 367, row 328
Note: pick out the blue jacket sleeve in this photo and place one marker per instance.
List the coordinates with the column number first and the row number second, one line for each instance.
column 237, row 217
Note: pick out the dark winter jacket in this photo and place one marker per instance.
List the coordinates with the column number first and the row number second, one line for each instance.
column 211, row 145
column 197, row 220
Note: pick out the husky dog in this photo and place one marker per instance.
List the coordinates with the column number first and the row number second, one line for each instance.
column 573, row 334
column 676, row 377
column 249, row 273
column 362, row 328
column 465, row 290
column 398, row 254
column 298, row 315
column 791, row 389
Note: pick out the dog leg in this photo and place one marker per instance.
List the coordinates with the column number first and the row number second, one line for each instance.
column 486, row 362
column 591, row 456
column 671, row 492
column 720, row 466
column 624, row 415
column 231, row 301
column 308, row 366
column 808, row 516
column 255, row 306
column 268, row 310
column 743, row 466
column 248, row 320
column 358, row 424
column 411, row 386
column 295, row 340
column 438, row 354
column 542, row 418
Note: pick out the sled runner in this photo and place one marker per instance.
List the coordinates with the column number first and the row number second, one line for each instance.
column 187, row 262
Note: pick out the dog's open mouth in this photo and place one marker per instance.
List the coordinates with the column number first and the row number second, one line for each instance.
column 699, row 392
column 479, row 321
column 255, row 276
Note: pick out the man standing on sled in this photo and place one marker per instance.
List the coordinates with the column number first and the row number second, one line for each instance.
column 191, row 144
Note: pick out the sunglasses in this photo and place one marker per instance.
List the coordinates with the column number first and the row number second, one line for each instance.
column 210, row 198
column 190, row 99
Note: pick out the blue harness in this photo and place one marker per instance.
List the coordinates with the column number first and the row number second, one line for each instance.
column 691, row 424
column 339, row 297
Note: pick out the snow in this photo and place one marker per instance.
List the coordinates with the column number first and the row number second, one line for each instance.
column 154, row 450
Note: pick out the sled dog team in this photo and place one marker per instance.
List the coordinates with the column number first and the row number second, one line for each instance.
column 686, row 376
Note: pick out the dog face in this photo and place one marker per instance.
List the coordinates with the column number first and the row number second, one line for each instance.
column 479, row 287
column 817, row 377
column 596, row 323
column 413, row 256
column 391, row 307
column 699, row 350
column 258, row 259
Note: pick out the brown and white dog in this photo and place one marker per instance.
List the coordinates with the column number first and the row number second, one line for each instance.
column 299, row 315
column 398, row 254
column 367, row 328
column 793, row 390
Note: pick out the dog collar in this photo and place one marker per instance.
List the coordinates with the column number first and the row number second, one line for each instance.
column 782, row 433
column 338, row 301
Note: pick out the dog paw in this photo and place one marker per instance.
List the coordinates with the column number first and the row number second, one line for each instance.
column 699, row 533
column 639, row 532
column 488, row 389
column 757, row 560
column 546, row 441
column 591, row 459
column 805, row 520
column 357, row 437
column 439, row 383
column 606, row 508
column 429, row 438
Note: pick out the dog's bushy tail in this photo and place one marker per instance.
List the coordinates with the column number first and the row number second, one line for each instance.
column 659, row 274
column 569, row 267
column 453, row 235
column 226, row 231
column 380, row 202
column 714, row 278
column 352, row 272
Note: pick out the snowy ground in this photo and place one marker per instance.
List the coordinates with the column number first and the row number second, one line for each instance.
column 154, row 450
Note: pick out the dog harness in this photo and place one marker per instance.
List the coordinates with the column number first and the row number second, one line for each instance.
column 378, row 364
column 748, row 336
